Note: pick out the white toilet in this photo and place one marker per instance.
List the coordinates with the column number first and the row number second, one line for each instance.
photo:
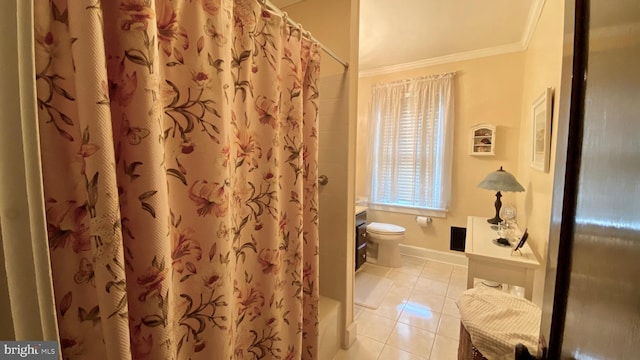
column 388, row 237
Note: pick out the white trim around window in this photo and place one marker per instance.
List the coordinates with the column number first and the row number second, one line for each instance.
column 436, row 213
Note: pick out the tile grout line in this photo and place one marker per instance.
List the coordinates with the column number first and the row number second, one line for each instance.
column 411, row 271
column 411, row 293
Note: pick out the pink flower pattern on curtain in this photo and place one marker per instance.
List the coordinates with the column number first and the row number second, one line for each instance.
column 179, row 149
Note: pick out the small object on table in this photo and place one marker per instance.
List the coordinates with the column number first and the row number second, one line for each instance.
column 523, row 240
column 492, row 284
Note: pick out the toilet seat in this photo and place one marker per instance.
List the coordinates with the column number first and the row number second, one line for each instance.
column 385, row 229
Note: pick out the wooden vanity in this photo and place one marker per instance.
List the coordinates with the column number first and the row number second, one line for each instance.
column 361, row 236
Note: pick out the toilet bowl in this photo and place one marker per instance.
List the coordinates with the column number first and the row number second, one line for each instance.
column 388, row 237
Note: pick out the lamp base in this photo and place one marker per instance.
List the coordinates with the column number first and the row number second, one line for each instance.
column 495, row 220
column 498, row 204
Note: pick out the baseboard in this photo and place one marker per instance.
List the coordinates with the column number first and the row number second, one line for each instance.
column 435, row 255
column 350, row 335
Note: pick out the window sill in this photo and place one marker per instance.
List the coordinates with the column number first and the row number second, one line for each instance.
column 437, row 213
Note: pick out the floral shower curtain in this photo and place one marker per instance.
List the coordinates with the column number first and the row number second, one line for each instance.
column 179, row 150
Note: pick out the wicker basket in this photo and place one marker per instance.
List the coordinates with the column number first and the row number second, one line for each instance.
column 466, row 350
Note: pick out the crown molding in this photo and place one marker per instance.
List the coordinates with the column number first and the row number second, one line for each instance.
column 467, row 55
column 532, row 22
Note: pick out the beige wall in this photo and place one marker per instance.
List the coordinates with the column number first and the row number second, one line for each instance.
column 543, row 68
column 335, row 24
column 486, row 90
column 329, row 22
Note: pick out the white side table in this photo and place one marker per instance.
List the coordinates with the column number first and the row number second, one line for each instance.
column 489, row 261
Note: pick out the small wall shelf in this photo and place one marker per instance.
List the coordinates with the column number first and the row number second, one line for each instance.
column 483, row 140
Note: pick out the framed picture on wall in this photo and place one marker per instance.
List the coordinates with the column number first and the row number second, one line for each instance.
column 541, row 131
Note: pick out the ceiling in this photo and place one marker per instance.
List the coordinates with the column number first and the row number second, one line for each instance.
column 405, row 34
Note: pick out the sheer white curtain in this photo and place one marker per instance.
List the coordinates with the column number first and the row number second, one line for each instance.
column 412, row 132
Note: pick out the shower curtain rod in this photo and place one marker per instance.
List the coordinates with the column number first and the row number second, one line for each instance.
column 272, row 7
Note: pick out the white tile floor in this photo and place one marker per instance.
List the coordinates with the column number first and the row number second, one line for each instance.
column 418, row 318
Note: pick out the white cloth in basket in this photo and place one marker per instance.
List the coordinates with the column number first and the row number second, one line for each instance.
column 497, row 322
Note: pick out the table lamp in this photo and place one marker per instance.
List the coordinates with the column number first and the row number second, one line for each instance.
column 500, row 180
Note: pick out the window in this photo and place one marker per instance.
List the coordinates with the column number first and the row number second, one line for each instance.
column 412, row 132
